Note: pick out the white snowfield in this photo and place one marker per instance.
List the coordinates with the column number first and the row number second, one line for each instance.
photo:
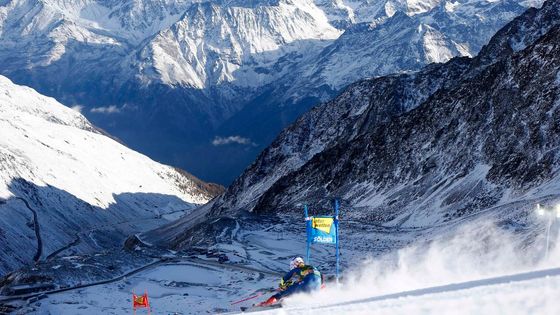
column 478, row 269
column 527, row 293
column 58, row 167
column 456, row 274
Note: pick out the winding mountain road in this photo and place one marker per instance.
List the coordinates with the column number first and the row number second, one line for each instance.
column 36, row 227
column 158, row 262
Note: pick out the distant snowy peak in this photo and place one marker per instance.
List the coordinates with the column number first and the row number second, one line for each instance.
column 202, row 44
column 345, row 12
column 438, row 48
column 211, row 42
column 131, row 21
column 404, row 42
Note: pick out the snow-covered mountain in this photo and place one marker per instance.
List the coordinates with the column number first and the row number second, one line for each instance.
column 438, row 172
column 422, row 149
column 211, row 43
column 219, row 78
column 64, row 182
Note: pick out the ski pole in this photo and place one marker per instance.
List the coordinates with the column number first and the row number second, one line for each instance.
column 253, row 296
column 249, row 298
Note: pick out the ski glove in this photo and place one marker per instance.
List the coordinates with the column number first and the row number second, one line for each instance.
column 284, row 285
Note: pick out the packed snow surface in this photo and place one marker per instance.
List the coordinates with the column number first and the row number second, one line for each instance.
column 475, row 267
column 511, row 296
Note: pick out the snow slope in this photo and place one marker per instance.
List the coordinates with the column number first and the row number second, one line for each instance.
column 481, row 266
column 529, row 293
column 54, row 163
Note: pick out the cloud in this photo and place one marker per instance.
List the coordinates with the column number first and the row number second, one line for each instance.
column 231, row 140
column 113, row 109
column 77, row 108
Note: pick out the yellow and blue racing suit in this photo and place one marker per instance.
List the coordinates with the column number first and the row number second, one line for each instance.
column 305, row 279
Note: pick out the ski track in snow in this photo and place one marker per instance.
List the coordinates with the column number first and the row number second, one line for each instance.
column 521, row 281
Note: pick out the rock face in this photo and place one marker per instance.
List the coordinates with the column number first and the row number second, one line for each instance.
column 420, row 149
column 66, row 185
column 224, row 77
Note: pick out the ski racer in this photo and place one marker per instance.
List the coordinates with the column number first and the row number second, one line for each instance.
column 300, row 278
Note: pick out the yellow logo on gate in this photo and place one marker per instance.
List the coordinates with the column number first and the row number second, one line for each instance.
column 322, row 224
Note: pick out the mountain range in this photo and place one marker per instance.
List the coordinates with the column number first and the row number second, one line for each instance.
column 438, row 163
column 178, row 80
column 418, row 150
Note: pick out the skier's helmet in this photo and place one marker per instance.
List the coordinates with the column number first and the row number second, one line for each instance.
column 296, row 262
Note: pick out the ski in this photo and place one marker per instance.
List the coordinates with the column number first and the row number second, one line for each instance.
column 254, row 308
